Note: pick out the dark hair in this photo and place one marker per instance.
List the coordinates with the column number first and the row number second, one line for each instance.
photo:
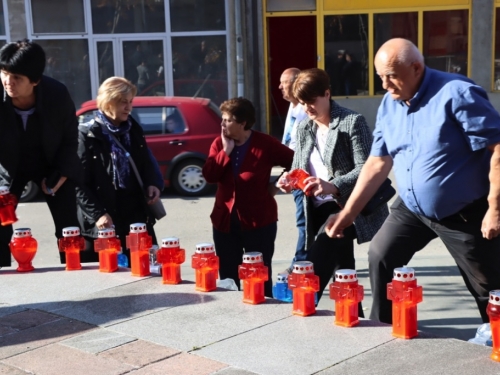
column 241, row 109
column 23, row 57
column 310, row 84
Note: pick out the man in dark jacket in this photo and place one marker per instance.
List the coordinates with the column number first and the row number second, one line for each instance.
column 38, row 136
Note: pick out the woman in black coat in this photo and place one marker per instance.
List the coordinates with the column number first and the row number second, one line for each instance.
column 111, row 194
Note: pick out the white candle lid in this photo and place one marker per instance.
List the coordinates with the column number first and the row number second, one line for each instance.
column 138, row 228
column 106, row 233
column 170, row 242
column 22, row 232
column 346, row 276
column 495, row 297
column 205, row 248
column 253, row 257
column 303, row 267
column 71, row 231
column 404, row 274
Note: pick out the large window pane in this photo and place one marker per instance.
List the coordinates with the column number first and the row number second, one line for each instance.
column 142, row 60
column 287, row 5
column 105, row 61
column 497, row 50
column 67, row 61
column 346, row 54
column 125, row 16
column 445, row 40
column 393, row 25
column 2, row 22
column 200, row 67
column 197, row 15
column 57, row 16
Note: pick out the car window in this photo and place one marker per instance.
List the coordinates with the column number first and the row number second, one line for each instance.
column 154, row 120
column 159, row 120
column 174, row 122
column 86, row 117
column 150, row 118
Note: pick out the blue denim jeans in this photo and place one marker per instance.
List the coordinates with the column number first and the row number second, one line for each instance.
column 300, row 221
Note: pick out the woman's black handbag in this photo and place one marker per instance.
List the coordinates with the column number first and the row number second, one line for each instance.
column 384, row 193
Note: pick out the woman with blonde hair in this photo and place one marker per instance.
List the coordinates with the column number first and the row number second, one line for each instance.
column 111, row 194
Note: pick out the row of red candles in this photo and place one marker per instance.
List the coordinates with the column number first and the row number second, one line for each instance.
column 347, row 293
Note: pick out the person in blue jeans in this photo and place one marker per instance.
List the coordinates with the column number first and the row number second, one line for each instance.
column 294, row 116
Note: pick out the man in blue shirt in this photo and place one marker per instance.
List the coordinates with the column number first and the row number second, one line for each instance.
column 442, row 136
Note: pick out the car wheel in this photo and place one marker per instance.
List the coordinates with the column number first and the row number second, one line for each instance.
column 187, row 178
column 30, row 191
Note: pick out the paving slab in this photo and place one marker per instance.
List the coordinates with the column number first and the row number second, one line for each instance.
column 298, row 345
column 59, row 359
column 139, row 353
column 129, row 301
column 182, row 364
column 6, row 309
column 9, row 370
column 97, row 341
column 35, row 337
column 27, row 319
column 53, row 283
column 421, row 356
column 196, row 325
column 234, row 371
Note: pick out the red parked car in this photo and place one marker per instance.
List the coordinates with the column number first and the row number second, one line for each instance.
column 179, row 132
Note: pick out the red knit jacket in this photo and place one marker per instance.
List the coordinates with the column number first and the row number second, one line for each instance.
column 248, row 193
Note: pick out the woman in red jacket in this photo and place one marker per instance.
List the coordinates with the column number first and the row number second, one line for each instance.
column 245, row 213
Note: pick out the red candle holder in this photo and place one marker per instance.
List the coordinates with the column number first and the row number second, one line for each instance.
column 139, row 242
column 347, row 294
column 108, row 247
column 23, row 248
column 304, row 284
column 253, row 273
column 296, row 179
column 171, row 256
column 8, row 203
column 206, row 266
column 493, row 311
column 72, row 243
column 405, row 294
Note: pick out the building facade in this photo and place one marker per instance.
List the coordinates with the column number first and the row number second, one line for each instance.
column 225, row 48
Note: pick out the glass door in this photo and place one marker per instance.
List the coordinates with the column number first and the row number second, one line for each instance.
column 143, row 64
column 140, row 61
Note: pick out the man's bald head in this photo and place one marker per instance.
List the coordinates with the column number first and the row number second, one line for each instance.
column 401, row 67
column 401, row 51
column 286, row 83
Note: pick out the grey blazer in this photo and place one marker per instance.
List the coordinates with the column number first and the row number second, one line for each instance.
column 347, row 147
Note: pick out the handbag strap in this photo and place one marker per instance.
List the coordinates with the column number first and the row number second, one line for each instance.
column 127, row 154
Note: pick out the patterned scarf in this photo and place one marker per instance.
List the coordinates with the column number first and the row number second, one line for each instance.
column 121, row 165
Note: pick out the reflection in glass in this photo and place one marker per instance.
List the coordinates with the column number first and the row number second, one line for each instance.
column 142, row 62
column 496, row 85
column 125, row 16
column 445, row 40
column 105, row 61
column 346, row 54
column 2, row 22
column 288, row 6
column 200, row 67
column 393, row 25
column 68, row 62
column 56, row 16
column 197, row 15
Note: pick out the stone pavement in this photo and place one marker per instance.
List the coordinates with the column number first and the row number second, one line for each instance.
column 86, row 322
column 54, row 321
